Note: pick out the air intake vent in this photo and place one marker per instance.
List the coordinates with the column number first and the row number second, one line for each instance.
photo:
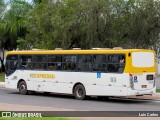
column 76, row 49
column 58, row 48
column 117, row 48
column 35, row 49
column 100, row 48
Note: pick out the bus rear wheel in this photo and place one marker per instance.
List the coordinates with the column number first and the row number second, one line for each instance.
column 79, row 92
column 23, row 88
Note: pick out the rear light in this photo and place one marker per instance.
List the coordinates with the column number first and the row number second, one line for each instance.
column 131, row 81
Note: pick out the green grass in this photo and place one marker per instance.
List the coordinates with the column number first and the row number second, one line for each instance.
column 1, row 77
column 158, row 90
column 43, row 118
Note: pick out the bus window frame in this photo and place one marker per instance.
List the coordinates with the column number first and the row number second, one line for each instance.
column 47, row 56
column 20, row 63
column 8, row 61
column 110, row 63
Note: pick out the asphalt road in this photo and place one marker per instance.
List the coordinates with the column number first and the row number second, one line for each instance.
column 69, row 102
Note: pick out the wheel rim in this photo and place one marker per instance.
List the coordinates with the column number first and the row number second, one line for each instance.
column 79, row 92
column 22, row 88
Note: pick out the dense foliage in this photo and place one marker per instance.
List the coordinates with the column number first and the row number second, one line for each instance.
column 48, row 24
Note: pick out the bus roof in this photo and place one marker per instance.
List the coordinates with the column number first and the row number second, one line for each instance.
column 77, row 51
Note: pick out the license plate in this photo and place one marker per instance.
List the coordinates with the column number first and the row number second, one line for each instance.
column 144, row 86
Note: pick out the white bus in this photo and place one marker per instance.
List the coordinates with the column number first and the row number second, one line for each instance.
column 82, row 73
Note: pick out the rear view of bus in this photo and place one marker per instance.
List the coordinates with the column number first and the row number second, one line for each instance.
column 142, row 71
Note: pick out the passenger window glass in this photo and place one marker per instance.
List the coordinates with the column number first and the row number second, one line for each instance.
column 55, row 62
column 52, row 66
column 39, row 62
column 69, row 58
column 69, row 66
column 99, row 58
column 12, row 64
column 41, row 66
column 12, row 57
column 116, row 63
column 99, row 63
column 25, row 61
column 84, row 63
column 52, row 59
column 84, row 66
column 59, row 66
column 69, row 62
column 58, row 58
column 85, row 58
column 39, row 58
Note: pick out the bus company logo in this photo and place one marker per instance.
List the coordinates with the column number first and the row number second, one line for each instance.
column 48, row 76
column 6, row 114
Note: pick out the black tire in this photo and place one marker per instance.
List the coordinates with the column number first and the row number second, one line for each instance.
column 79, row 92
column 23, row 88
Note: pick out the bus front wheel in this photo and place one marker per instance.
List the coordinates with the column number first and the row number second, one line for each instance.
column 23, row 88
column 79, row 92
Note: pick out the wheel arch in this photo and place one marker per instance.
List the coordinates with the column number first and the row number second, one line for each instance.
column 19, row 82
column 78, row 83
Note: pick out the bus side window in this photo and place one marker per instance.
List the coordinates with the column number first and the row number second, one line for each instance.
column 99, row 63
column 25, row 62
column 116, row 63
column 51, row 66
column 54, row 62
column 59, row 66
column 40, row 62
column 122, row 64
column 7, row 68
column 11, row 64
column 84, row 63
column 14, row 65
column 69, row 62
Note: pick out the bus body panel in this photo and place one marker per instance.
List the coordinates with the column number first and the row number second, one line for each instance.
column 141, row 83
column 95, row 83
column 132, row 92
column 11, row 81
column 63, row 82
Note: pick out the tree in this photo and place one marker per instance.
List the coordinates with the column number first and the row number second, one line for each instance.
column 144, row 24
column 13, row 24
column 92, row 23
column 2, row 10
